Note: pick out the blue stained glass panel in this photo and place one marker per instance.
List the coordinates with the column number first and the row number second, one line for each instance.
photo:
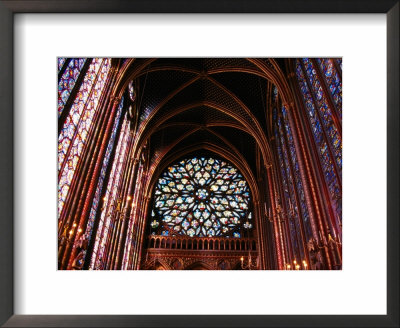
column 317, row 130
column 99, row 188
column 68, row 80
column 325, row 111
column 333, row 81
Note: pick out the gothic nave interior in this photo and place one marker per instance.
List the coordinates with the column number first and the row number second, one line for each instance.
column 199, row 163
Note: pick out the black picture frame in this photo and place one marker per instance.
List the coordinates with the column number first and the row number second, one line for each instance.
column 7, row 11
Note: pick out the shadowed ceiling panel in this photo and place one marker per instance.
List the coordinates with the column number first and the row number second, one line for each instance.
column 218, row 63
column 204, row 90
column 202, row 115
column 241, row 140
column 193, row 93
column 191, row 63
column 197, row 137
column 281, row 64
column 220, row 96
column 250, row 89
column 163, row 138
column 158, row 85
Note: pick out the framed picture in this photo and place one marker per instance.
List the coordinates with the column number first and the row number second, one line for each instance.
column 187, row 205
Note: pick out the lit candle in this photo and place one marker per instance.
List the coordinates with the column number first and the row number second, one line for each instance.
column 288, row 267
column 297, row 267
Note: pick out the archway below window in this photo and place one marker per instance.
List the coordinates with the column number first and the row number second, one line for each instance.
column 201, row 208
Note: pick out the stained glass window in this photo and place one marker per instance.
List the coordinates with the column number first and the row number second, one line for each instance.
column 110, row 200
column 68, row 80
column 339, row 61
column 130, row 238
column 145, row 114
column 60, row 62
column 293, row 190
column 333, row 81
column 131, row 89
column 275, row 91
column 296, row 172
column 324, row 111
column 201, row 197
column 326, row 137
column 74, row 133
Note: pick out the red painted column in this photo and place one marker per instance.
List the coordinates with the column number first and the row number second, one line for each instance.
column 119, row 197
column 125, row 197
column 274, row 214
column 125, row 223
column 279, row 217
column 135, row 216
column 259, row 226
column 143, row 219
column 128, row 238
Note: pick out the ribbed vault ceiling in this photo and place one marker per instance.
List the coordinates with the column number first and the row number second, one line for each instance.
column 188, row 102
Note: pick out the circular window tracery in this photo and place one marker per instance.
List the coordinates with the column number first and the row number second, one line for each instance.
column 202, row 197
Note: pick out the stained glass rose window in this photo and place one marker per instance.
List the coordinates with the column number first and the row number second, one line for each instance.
column 201, row 197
